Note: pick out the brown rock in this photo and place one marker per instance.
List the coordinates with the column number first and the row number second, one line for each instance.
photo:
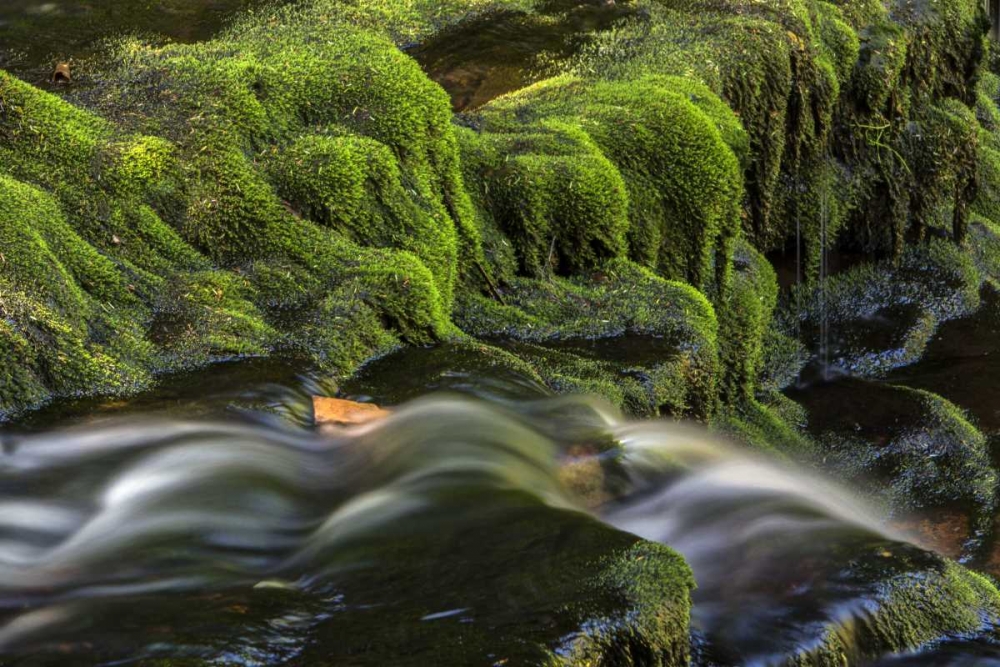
column 339, row 412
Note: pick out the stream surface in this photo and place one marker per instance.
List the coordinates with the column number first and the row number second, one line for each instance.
column 443, row 534
column 37, row 34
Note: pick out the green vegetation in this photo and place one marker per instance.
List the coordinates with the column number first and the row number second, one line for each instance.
column 298, row 185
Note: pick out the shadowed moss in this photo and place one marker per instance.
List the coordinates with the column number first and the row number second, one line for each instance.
column 565, row 320
column 744, row 319
column 938, row 460
column 926, row 599
column 938, row 279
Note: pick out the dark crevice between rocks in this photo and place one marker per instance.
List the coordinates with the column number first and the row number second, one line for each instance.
column 487, row 56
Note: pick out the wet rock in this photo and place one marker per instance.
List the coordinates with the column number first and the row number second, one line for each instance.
column 920, row 446
column 875, row 318
column 962, row 363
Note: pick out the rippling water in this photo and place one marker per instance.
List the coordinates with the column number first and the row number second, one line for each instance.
column 258, row 544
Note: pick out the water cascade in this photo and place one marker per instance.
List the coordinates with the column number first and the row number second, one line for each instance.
column 157, row 516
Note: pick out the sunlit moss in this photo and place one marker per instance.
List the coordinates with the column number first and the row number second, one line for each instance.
column 683, row 181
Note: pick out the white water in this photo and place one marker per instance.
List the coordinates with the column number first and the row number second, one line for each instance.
column 158, row 508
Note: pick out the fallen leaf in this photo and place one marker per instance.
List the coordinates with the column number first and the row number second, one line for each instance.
column 340, row 412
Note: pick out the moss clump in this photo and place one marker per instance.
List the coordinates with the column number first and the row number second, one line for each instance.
column 930, row 284
column 654, row 632
column 944, row 149
column 671, row 326
column 922, row 449
column 682, row 179
column 209, row 316
column 744, row 319
column 918, row 598
column 70, row 322
column 773, row 425
column 354, row 185
column 552, row 193
column 984, row 241
column 193, row 217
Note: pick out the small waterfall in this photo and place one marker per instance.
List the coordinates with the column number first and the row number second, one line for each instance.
column 96, row 524
column 767, row 542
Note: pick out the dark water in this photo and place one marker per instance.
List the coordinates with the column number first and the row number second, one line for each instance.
column 242, row 390
column 962, row 363
column 488, row 56
column 37, row 34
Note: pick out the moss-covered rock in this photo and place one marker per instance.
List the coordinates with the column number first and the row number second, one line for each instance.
column 222, row 192
column 923, row 448
column 653, row 339
column 298, row 184
column 918, row 599
column 683, row 181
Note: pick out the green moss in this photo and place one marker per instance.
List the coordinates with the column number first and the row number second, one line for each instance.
column 658, row 583
column 839, row 40
column 984, row 243
column 920, row 608
column 883, row 50
column 744, row 320
column 944, row 151
column 771, row 428
column 672, row 327
column 303, row 155
column 552, row 193
column 940, row 460
column 938, row 277
column 925, row 599
column 209, row 316
column 987, row 94
column 70, row 322
column 237, row 152
column 683, row 180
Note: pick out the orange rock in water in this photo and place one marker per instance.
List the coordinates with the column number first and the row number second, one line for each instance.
column 338, row 412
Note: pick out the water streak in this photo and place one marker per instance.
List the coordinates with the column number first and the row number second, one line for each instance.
column 107, row 533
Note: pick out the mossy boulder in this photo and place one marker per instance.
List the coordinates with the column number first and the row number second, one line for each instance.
column 921, row 447
column 656, row 340
column 682, row 180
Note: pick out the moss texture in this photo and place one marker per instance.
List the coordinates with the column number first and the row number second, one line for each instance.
column 927, row 598
column 831, row 96
column 299, row 185
column 224, row 201
column 679, row 207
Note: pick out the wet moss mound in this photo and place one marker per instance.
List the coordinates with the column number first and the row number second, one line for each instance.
column 223, row 199
column 298, row 185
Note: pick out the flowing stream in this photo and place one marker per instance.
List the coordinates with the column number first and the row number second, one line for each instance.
column 250, row 543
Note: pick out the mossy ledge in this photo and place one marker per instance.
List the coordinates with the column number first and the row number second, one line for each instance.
column 298, row 185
